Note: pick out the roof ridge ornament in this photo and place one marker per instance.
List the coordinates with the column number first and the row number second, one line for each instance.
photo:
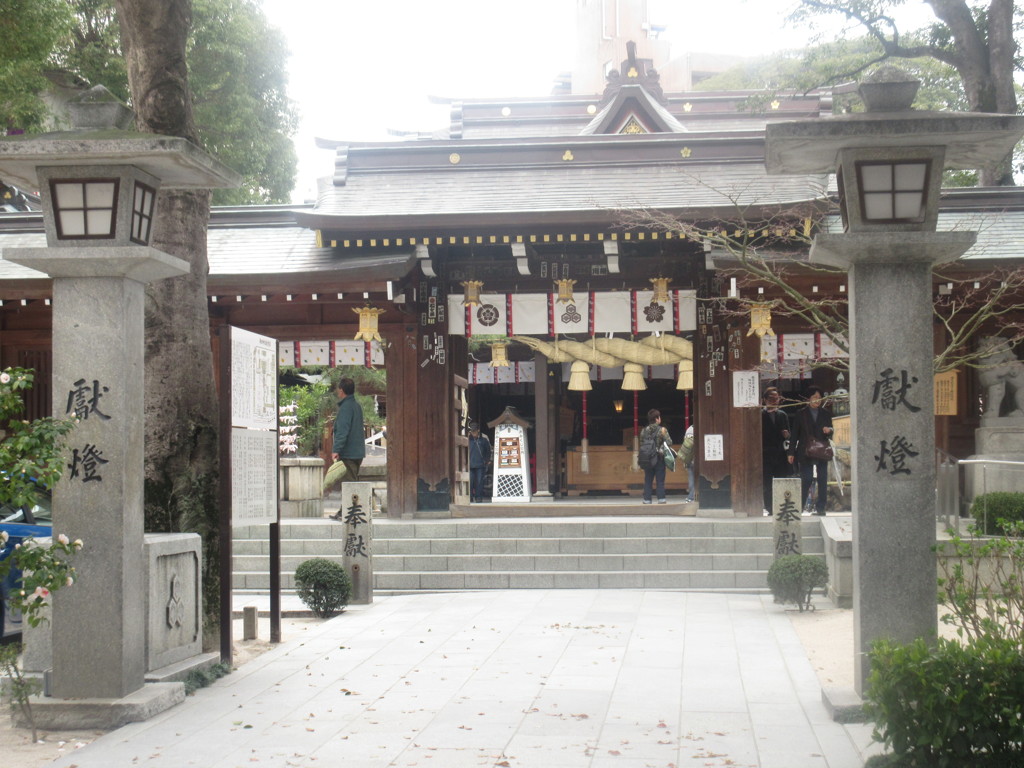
column 637, row 72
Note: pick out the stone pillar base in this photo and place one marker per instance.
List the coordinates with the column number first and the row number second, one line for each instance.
column 996, row 440
column 53, row 714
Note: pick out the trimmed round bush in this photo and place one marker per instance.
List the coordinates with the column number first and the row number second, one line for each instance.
column 793, row 579
column 994, row 510
column 323, row 586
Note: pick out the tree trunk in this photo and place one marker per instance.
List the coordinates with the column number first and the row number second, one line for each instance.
column 181, row 400
column 985, row 62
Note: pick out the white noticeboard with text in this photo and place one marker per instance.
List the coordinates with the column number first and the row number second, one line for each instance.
column 714, row 448
column 253, row 380
column 744, row 389
column 254, row 438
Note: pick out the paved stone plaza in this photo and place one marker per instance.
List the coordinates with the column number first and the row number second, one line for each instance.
column 525, row 678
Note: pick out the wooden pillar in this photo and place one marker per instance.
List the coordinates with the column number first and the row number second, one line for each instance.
column 745, row 430
column 712, row 401
column 403, row 461
column 541, row 432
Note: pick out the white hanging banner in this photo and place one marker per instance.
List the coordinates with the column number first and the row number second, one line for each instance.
column 530, row 314
column 314, row 353
column 286, row 354
column 652, row 317
column 488, row 317
column 537, row 314
column 686, row 311
column 573, row 317
column 612, row 312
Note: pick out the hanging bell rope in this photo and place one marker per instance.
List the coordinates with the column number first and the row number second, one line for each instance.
column 585, row 444
column 636, row 432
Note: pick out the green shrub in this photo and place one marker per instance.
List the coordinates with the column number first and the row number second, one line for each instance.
column 982, row 584
column 995, row 510
column 323, row 586
column 948, row 705
column 793, row 579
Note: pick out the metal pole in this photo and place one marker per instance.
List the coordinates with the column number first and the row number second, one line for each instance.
column 275, row 532
column 224, row 528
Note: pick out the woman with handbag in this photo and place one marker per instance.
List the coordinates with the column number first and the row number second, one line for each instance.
column 811, row 449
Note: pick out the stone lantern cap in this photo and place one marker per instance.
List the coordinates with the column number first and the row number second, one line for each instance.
column 971, row 139
column 100, row 137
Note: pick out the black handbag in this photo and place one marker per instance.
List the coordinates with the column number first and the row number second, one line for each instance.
column 818, row 450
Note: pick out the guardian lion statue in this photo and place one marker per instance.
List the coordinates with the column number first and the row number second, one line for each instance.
column 1001, row 376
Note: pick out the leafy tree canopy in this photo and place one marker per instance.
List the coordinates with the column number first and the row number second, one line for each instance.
column 974, row 37
column 236, row 71
column 29, row 32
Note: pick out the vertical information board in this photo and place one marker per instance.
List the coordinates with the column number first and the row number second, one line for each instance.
column 254, row 439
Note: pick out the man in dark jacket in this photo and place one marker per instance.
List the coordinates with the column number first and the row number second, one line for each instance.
column 479, row 459
column 349, row 446
column 812, row 423
column 774, row 437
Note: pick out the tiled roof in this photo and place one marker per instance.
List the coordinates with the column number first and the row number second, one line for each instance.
column 245, row 250
column 402, row 200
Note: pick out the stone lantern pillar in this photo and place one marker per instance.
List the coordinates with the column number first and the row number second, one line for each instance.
column 889, row 162
column 99, row 186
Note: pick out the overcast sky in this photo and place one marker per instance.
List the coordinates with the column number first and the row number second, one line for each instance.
column 359, row 67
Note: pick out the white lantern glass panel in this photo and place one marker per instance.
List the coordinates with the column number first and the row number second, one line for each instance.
column 99, row 222
column 878, row 205
column 910, row 176
column 142, row 213
column 69, row 195
column 908, row 205
column 72, row 223
column 876, row 178
column 100, row 194
column 84, row 208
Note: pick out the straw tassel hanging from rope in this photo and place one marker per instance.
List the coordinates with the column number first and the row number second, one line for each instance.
column 633, row 379
column 579, row 381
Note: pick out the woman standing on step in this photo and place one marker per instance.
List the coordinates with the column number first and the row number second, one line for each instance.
column 651, row 456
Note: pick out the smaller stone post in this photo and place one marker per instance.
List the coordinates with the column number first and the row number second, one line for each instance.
column 786, row 508
column 356, row 514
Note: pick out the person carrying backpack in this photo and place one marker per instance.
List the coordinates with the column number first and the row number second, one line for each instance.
column 651, row 456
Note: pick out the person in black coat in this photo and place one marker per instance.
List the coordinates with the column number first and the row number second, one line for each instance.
column 774, row 434
column 812, row 422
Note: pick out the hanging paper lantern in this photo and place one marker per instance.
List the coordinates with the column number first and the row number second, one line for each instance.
column 499, row 355
column 368, row 320
column 761, row 320
column 660, row 290
column 579, row 377
column 471, row 290
column 761, row 324
column 633, row 377
column 565, row 290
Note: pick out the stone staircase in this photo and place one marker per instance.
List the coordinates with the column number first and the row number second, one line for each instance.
column 700, row 554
